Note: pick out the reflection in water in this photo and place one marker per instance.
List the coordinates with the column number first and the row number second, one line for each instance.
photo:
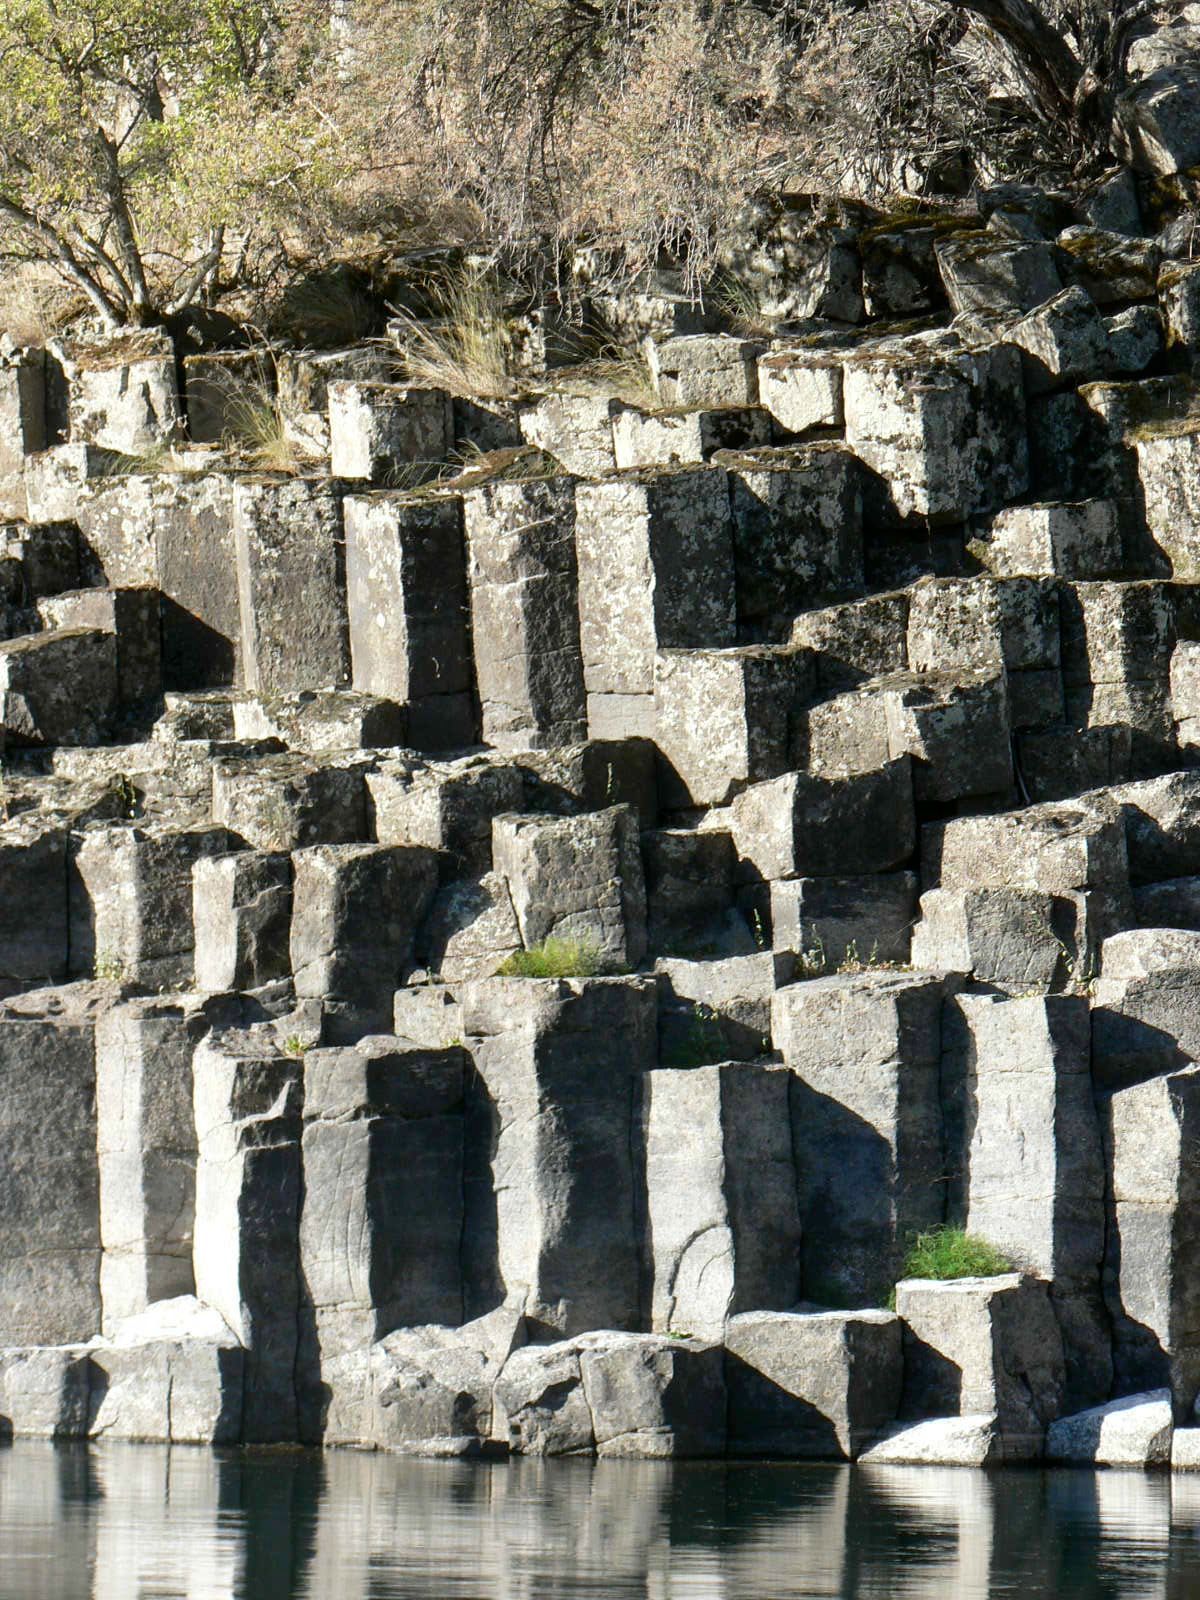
column 127, row 1522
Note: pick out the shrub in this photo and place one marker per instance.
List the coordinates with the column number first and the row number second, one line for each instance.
column 554, row 958
column 947, row 1253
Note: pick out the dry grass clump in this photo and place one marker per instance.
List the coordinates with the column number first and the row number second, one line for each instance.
column 463, row 348
column 257, row 431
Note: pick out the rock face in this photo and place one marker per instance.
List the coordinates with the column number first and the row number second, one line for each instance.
column 507, row 932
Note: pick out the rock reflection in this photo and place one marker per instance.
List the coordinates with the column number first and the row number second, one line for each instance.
column 122, row 1522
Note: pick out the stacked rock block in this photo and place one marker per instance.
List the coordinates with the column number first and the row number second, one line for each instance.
column 828, row 722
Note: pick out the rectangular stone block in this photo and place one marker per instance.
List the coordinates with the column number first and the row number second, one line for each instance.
column 655, row 572
column 724, row 718
column 406, row 586
column 131, row 901
column 1025, row 1160
column 247, row 1099
column 983, row 1347
column 132, row 617
column 855, row 640
column 1150, row 1281
column 381, row 1221
column 355, row 912
column 523, row 582
column 576, row 429
column 797, row 529
column 33, row 900
column 551, row 1189
column 172, row 532
column 864, row 1051
column 241, row 916
column 802, row 389
column 943, row 428
column 122, row 393
column 1118, row 639
column 689, row 889
column 722, row 1233
column 957, row 728
column 58, row 688
column 288, row 802
column 288, row 543
column 146, row 1144
column 1074, row 540
column 677, row 436
column 718, row 1010
column 835, row 920
column 576, row 878
column 445, row 806
column 1018, row 939
column 704, row 369
column 225, row 388
column 378, row 429
column 812, row 1385
column 1146, row 1013
column 802, row 826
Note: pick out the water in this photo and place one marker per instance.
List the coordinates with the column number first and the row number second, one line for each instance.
column 128, row 1522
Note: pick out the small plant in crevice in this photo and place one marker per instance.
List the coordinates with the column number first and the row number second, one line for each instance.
column 256, row 428
column 948, row 1253
column 555, row 958
column 701, row 1044
column 295, row 1046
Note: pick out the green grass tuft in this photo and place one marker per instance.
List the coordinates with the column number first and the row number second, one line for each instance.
column 947, row 1253
column 554, row 958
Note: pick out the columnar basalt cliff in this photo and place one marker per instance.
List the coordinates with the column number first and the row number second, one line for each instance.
column 511, row 962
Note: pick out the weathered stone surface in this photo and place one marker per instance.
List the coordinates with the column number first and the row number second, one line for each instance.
column 704, row 370
column 1081, row 540
column 831, row 921
column 247, row 1101
column 1011, row 937
column 1110, row 266
column 445, row 806
column 172, row 532
column 723, row 718
column 1064, row 340
column 802, row 388
column 22, row 423
column 524, row 613
column 983, row 272
column 146, row 1145
column 58, row 688
column 576, row 878
column 812, row 827
column 622, row 1395
column 288, row 802
column 406, row 587
column 1151, row 1271
column 983, row 1347
column 355, row 913
column 576, row 429
column 866, row 638
column 173, row 1375
column 241, row 915
column 551, row 1190
column 867, row 1124
column 381, row 1220
column 679, row 436
column 797, row 530
column 223, row 388
column 722, row 1233
column 33, row 900
column 956, row 728
column 1166, row 469
column 45, row 1391
column 131, row 900
column 943, row 428
column 942, row 1442
column 1133, row 1432
column 132, row 617
column 471, row 929
column 811, row 1385
column 378, row 429
column 655, row 572
column 122, row 394
column 689, row 890
column 718, row 1009
column 50, row 1216
column 984, row 623
column 291, row 584
column 1146, row 1015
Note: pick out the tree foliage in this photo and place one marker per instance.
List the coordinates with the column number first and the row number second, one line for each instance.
column 136, row 135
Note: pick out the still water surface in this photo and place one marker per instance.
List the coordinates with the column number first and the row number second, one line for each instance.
column 146, row 1523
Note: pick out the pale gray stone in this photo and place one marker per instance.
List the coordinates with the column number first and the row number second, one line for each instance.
column 289, row 802
column 58, row 687
column 941, row 1442
column 704, row 369
column 1081, row 540
column 1132, row 1432
column 551, row 1189
column 655, row 572
column 811, row 1385
column 445, row 806
column 831, row 921
column 576, row 878
column 378, row 429
column 864, row 1051
column 809, row 826
column 722, row 1234
column 680, row 436
column 45, row 1391
column 241, row 914
column 982, row 272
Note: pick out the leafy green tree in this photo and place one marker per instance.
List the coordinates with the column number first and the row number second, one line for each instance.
column 141, row 139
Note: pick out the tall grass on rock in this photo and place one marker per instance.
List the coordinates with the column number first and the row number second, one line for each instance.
column 948, row 1253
